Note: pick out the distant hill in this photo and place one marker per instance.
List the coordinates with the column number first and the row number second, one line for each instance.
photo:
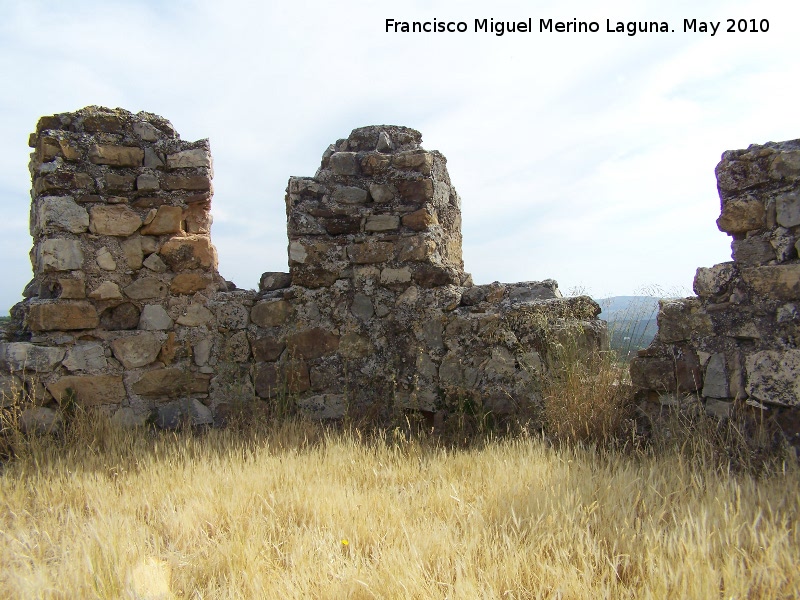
column 631, row 322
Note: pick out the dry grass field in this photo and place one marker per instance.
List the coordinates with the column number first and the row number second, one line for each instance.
column 299, row 510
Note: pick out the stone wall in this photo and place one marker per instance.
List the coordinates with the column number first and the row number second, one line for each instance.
column 127, row 312
column 738, row 339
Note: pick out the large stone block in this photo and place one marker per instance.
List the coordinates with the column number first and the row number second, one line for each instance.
column 189, row 283
column 196, row 157
column 113, row 220
column 312, row 343
column 168, row 219
column 137, row 350
column 712, row 281
column 787, row 206
column 773, row 376
column 270, row 313
column 741, row 215
column 26, row 357
column 370, row 252
column 682, row 319
column 89, row 390
column 145, row 288
column 272, row 379
column 189, row 252
column 62, row 316
column 653, row 373
column 59, row 212
column 59, row 255
column 781, row 282
column 87, row 357
column 171, row 383
column 116, row 156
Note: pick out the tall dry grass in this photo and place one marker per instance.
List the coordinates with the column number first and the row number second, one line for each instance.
column 298, row 510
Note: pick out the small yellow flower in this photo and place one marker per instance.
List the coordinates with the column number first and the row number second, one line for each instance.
column 345, row 543
column 345, row 547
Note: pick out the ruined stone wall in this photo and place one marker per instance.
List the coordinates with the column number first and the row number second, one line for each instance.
column 738, row 339
column 126, row 310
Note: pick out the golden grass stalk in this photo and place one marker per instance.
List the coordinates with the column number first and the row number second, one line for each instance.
column 119, row 514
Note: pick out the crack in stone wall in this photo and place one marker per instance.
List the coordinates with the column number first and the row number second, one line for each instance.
column 127, row 312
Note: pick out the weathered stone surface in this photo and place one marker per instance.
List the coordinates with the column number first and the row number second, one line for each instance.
column 272, row 379
column 344, row 163
column 64, row 182
column 40, row 420
column 171, row 383
column 137, row 350
column 196, row 157
column 362, row 307
column 155, row 264
column 274, row 281
column 154, row 318
column 453, row 373
column 132, row 252
column 787, row 206
column 195, row 315
column 350, row 195
column 167, row 220
column 147, row 182
column 88, row 357
column 62, row 316
column 312, row 343
column 370, row 252
column 60, row 212
column 682, row 319
column 116, row 182
column 712, row 281
column 418, row 160
column 189, row 283
column 416, row 191
column 323, row 406
column 189, row 252
column 145, row 288
column 353, row 345
column 146, row 131
column 653, row 373
column 89, row 390
column 716, row 384
column 11, row 390
column 124, row 316
column 420, row 220
column 382, row 223
column 113, row 220
column 105, row 260
column 182, row 413
column 236, row 348
column 116, row 156
column 27, row 357
column 382, row 193
column 753, row 251
column 773, row 376
column 741, row 215
column 108, row 290
column 197, row 183
column 71, row 289
column 270, row 313
column 390, row 276
column 342, row 225
column 231, row 316
column 267, row 348
column 776, row 281
column 59, row 255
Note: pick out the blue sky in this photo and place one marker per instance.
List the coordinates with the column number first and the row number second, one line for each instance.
column 586, row 158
